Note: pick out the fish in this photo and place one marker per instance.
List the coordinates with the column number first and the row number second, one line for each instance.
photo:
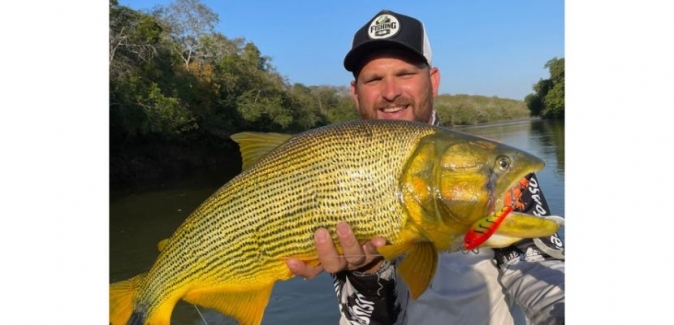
column 421, row 187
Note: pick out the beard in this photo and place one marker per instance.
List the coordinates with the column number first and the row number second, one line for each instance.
column 420, row 111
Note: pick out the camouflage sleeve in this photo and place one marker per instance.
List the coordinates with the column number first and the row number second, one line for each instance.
column 532, row 271
column 368, row 298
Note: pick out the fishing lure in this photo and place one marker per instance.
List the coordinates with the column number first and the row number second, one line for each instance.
column 484, row 228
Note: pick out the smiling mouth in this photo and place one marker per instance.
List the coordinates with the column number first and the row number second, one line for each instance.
column 393, row 109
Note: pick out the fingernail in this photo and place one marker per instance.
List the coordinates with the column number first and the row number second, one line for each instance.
column 322, row 236
column 342, row 229
column 378, row 242
column 292, row 265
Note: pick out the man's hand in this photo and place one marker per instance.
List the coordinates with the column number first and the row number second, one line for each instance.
column 361, row 257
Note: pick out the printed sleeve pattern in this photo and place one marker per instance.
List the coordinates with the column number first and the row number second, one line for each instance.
column 368, row 298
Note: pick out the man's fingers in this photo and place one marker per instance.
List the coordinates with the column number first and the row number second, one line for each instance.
column 370, row 247
column 374, row 260
column 327, row 253
column 353, row 252
column 355, row 256
column 299, row 268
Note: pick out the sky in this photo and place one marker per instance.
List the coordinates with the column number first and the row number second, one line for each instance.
column 54, row 146
column 490, row 48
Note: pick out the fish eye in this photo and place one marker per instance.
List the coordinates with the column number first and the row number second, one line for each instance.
column 503, row 163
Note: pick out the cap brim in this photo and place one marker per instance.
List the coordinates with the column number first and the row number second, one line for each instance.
column 354, row 58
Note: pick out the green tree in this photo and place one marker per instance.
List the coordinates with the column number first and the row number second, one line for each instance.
column 187, row 22
column 547, row 101
column 134, row 38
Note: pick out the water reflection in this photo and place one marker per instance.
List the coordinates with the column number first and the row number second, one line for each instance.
column 551, row 135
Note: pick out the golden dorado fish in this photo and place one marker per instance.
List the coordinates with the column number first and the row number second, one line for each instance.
column 419, row 186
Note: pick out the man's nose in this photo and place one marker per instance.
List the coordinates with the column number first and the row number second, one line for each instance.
column 390, row 89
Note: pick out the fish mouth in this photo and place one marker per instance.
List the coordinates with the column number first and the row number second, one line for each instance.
column 498, row 201
column 508, row 194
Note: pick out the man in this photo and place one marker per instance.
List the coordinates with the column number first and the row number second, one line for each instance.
column 394, row 79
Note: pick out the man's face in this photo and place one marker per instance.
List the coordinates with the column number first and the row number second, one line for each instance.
column 390, row 86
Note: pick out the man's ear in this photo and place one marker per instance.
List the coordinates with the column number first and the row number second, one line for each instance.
column 354, row 93
column 435, row 80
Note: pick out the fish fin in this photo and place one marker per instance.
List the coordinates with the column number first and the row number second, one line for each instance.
column 523, row 225
column 162, row 244
column 418, row 267
column 406, row 241
column 255, row 145
column 390, row 252
column 245, row 304
column 121, row 299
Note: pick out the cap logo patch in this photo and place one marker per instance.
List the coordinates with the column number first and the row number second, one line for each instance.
column 384, row 26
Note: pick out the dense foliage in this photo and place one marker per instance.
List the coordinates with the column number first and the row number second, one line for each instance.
column 178, row 89
column 472, row 109
column 548, row 99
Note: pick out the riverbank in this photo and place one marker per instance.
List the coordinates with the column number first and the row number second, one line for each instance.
column 153, row 165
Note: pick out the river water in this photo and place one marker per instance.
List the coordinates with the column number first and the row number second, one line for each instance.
column 139, row 219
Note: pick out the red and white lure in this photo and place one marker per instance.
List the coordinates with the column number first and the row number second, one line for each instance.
column 484, row 228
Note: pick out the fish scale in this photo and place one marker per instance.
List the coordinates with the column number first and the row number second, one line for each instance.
column 282, row 170
column 232, row 248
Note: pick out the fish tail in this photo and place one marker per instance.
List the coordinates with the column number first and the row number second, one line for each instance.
column 122, row 295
